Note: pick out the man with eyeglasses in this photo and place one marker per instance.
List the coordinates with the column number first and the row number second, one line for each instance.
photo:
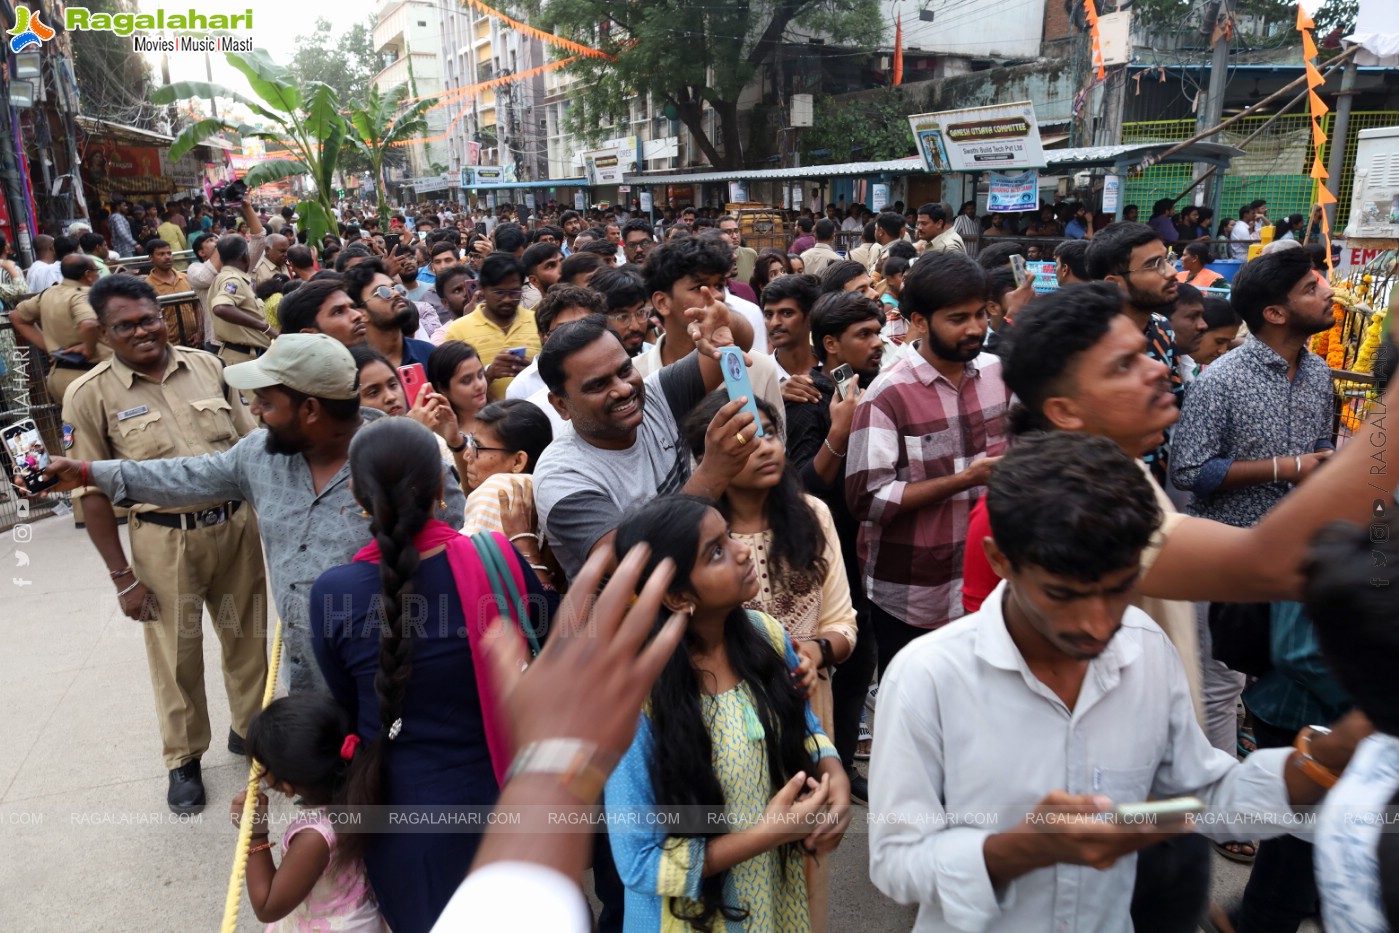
column 1133, row 256
column 500, row 328
column 153, row 401
column 390, row 317
column 637, row 239
column 628, row 311
column 745, row 257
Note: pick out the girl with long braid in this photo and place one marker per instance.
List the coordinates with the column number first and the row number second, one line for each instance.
column 397, row 635
column 726, row 743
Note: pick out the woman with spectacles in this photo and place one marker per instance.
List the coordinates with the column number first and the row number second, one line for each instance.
column 500, row 457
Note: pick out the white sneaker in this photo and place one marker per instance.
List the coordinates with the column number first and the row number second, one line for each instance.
column 872, row 697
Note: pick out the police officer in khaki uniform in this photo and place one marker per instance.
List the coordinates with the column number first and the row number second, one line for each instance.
column 153, row 401
column 60, row 320
column 239, row 323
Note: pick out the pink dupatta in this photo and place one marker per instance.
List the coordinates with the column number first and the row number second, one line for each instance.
column 472, row 587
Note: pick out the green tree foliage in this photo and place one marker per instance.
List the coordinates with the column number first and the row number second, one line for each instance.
column 304, row 119
column 376, row 125
column 869, row 128
column 347, row 63
column 113, row 80
column 689, row 55
column 1279, row 15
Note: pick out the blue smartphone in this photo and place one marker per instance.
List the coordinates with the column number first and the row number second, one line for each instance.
column 736, row 381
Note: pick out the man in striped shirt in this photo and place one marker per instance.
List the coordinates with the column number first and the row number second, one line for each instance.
column 926, row 434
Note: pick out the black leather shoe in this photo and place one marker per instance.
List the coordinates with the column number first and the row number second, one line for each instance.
column 235, row 744
column 859, row 786
column 186, row 794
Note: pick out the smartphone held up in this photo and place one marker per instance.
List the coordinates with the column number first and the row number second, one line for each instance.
column 28, row 456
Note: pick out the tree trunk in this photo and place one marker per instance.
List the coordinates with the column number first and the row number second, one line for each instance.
column 692, row 115
column 729, row 134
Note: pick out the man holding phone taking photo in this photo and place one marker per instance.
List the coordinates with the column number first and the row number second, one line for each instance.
column 1010, row 740
column 500, row 328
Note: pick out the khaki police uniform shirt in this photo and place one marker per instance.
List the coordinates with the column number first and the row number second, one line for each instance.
column 118, row 414
column 264, row 270
column 59, row 310
column 234, row 287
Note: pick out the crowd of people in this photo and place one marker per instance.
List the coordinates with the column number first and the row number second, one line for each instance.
column 1025, row 554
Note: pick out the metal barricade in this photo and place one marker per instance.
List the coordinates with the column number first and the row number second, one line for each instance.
column 141, row 265
column 184, row 319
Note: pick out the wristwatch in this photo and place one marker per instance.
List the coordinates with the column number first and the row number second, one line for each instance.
column 1315, row 771
column 460, row 447
column 579, row 766
column 827, row 658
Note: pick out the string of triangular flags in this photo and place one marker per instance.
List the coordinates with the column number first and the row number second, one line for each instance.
column 547, row 38
column 1318, row 108
column 1090, row 13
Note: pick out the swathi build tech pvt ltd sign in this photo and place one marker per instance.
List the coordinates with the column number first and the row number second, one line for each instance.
column 192, row 30
column 995, row 138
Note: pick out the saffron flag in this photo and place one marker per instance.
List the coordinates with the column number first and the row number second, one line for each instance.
column 899, row 51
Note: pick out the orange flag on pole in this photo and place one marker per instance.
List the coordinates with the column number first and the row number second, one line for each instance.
column 899, row 50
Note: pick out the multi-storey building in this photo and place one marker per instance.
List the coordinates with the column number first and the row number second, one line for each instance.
column 408, row 39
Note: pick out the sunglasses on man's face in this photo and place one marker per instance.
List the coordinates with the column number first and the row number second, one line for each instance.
column 387, row 292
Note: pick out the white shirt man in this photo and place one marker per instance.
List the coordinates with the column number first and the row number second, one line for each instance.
column 1008, row 737
column 1240, row 238
column 970, row 740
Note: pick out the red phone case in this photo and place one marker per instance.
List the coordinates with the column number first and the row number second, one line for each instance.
column 412, row 377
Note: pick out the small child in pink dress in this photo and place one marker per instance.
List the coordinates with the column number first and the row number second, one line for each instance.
column 305, row 746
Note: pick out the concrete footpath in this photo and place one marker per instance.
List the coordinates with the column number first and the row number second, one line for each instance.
column 88, row 842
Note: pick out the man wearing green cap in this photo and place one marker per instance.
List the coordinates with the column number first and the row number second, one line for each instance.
column 294, row 472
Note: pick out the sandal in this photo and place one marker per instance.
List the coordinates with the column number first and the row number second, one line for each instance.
column 1234, row 851
column 862, row 749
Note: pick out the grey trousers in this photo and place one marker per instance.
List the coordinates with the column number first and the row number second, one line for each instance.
column 1222, row 688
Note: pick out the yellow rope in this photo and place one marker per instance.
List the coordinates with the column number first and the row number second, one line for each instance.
column 234, row 898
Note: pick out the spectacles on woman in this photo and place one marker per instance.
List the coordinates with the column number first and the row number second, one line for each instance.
column 474, row 447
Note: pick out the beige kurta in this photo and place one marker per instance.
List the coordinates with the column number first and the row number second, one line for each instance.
column 807, row 609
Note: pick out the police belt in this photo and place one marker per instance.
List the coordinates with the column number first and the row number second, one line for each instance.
column 188, row 521
column 246, row 348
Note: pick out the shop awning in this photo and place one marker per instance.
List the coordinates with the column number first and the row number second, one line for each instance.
column 1059, row 162
column 133, row 135
column 536, row 183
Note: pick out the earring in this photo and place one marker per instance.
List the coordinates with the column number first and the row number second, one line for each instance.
column 364, row 512
column 442, row 503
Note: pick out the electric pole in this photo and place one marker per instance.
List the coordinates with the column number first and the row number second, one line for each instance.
column 1219, row 28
